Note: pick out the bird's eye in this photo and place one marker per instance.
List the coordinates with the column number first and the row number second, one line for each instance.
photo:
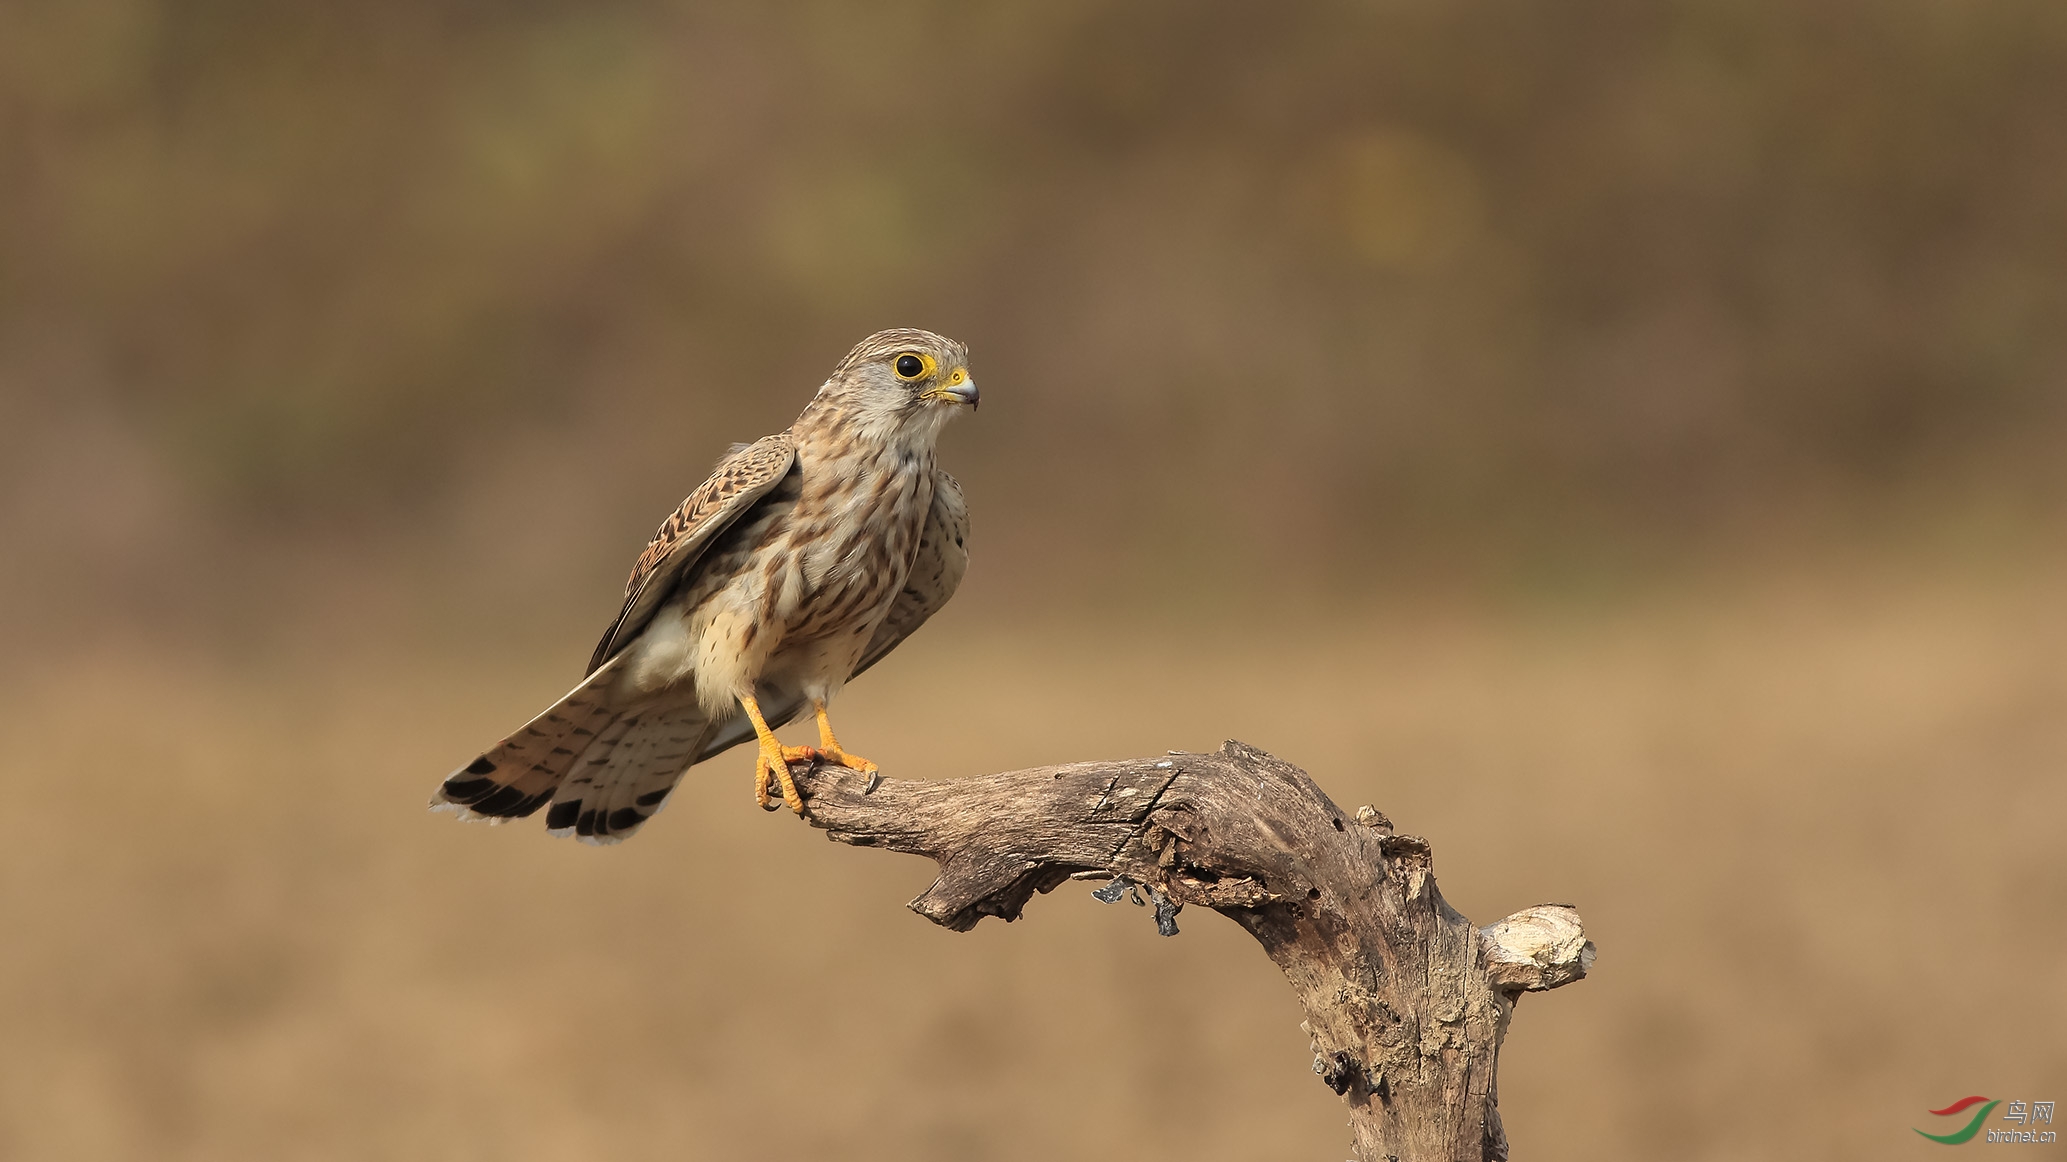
column 910, row 367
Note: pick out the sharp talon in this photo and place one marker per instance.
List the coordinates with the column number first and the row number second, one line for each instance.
column 780, row 768
column 774, row 761
column 830, row 750
column 874, row 780
column 771, row 766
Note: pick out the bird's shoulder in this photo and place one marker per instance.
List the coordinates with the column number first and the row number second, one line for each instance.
column 745, row 471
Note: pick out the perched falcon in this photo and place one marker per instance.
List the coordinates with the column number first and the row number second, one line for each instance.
column 804, row 559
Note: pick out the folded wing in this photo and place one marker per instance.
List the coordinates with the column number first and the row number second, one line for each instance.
column 740, row 479
column 607, row 768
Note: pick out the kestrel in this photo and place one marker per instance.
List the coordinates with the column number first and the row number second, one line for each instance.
column 805, row 558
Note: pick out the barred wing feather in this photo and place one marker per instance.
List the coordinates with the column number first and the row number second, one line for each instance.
column 740, row 479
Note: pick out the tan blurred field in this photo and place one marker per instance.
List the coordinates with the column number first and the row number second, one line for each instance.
column 1811, row 817
column 1624, row 442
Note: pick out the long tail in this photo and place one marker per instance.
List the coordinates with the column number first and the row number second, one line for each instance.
column 625, row 775
column 520, row 774
column 604, row 769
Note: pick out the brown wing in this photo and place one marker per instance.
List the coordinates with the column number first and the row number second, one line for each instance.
column 935, row 572
column 740, row 479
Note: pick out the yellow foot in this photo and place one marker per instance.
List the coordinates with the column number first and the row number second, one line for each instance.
column 772, row 765
column 829, row 747
column 853, row 762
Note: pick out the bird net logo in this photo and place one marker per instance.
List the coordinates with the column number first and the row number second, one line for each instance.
column 2024, row 1115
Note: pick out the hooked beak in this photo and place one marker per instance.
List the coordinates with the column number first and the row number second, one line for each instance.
column 958, row 389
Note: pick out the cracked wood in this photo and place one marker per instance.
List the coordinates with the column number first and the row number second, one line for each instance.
column 1406, row 1002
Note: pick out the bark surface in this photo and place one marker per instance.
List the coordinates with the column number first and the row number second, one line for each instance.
column 1406, row 1001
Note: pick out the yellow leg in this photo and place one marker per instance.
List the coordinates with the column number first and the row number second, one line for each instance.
column 830, row 750
column 774, row 760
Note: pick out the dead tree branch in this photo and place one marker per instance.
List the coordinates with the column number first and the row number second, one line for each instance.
column 1406, row 1002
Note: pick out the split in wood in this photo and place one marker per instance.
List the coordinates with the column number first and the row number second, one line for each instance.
column 1406, row 1002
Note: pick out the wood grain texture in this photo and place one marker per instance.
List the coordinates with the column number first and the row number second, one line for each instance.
column 1406, row 1001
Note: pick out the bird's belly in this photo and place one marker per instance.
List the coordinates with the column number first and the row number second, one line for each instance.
column 826, row 632
column 711, row 642
column 818, row 663
column 793, row 609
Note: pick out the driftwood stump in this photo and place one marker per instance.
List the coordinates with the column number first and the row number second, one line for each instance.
column 1406, row 1002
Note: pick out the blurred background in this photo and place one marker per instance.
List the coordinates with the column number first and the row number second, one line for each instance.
column 1624, row 442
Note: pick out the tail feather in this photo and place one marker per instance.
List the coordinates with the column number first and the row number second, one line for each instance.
column 604, row 769
column 519, row 775
column 625, row 776
column 594, row 759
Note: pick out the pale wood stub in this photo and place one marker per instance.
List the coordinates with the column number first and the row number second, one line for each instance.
column 1406, row 1001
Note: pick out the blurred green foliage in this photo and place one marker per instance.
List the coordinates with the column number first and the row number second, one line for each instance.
column 1317, row 276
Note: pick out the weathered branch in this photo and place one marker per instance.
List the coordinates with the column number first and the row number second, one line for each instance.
column 1406, row 1003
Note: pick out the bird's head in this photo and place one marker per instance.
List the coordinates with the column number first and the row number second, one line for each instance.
column 903, row 381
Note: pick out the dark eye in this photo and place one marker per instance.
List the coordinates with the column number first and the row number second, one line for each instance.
column 910, row 367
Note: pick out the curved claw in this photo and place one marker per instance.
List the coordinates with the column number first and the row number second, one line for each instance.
column 831, row 751
column 771, row 764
